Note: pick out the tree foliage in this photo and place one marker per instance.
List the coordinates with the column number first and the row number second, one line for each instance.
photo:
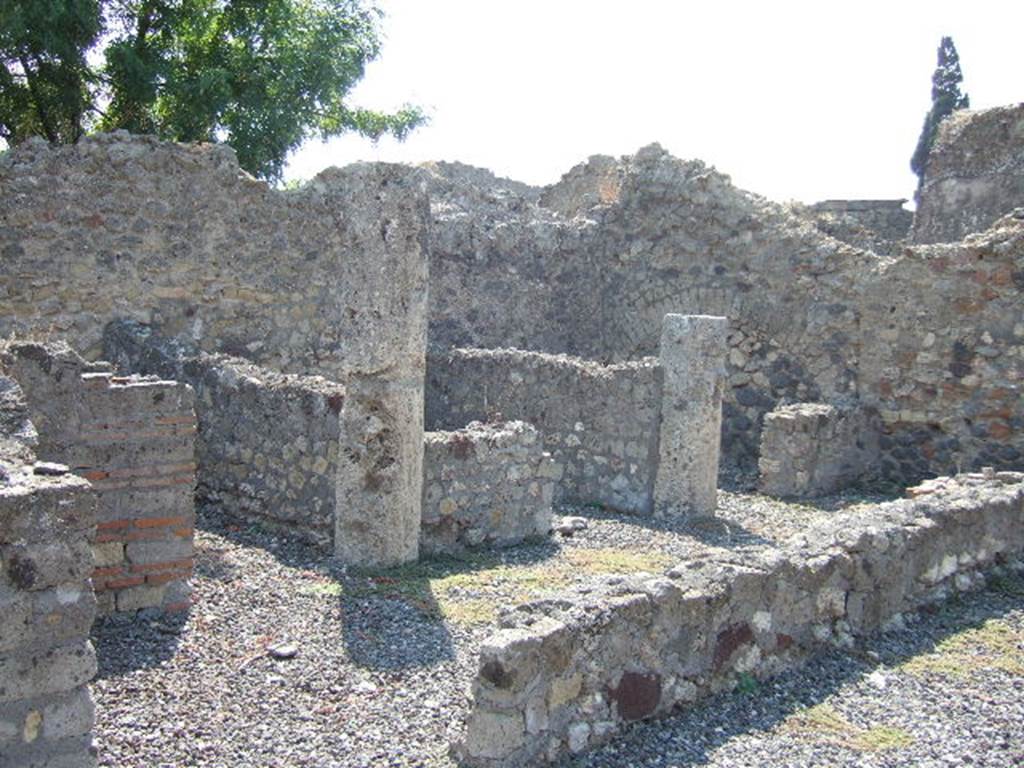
column 261, row 75
column 946, row 99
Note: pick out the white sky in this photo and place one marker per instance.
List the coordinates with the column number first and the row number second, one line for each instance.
column 794, row 100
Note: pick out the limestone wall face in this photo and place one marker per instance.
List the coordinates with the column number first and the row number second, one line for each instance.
column 599, row 422
column 811, row 449
column 564, row 675
column 974, row 174
column 593, row 267
column 485, row 484
column 47, row 519
column 133, row 439
column 267, row 446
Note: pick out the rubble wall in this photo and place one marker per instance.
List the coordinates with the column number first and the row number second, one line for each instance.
column 564, row 675
column 267, row 447
column 974, row 174
column 485, row 484
column 47, row 519
column 601, row 423
column 133, row 439
column 811, row 449
column 591, row 266
column 328, row 280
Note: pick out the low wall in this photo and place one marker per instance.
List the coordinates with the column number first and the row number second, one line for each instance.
column 485, row 484
column 47, row 518
column 133, row 439
column 810, row 449
column 267, row 446
column 565, row 675
column 599, row 422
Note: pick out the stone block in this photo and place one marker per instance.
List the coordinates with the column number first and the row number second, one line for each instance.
column 28, row 674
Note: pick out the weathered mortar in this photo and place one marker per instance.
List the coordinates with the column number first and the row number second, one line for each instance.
column 974, row 174
column 47, row 518
column 566, row 674
column 881, row 226
column 485, row 484
column 132, row 438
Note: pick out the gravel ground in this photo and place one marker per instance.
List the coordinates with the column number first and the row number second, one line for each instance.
column 382, row 661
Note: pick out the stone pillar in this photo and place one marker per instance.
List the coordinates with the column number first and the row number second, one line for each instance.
column 380, row 473
column 693, row 351
column 380, row 459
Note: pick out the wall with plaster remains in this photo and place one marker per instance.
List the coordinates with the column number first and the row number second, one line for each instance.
column 563, row 675
column 47, row 519
column 133, row 439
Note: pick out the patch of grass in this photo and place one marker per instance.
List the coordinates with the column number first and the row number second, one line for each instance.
column 824, row 723
column 470, row 591
column 746, row 683
column 322, row 589
column 611, row 560
column 1006, row 584
column 881, row 738
column 994, row 645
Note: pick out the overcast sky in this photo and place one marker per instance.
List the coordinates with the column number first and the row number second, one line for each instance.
column 794, row 100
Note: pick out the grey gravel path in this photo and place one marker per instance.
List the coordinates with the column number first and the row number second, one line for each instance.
column 384, row 660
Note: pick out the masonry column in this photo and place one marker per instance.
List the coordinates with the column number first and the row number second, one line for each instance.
column 380, row 459
column 693, row 351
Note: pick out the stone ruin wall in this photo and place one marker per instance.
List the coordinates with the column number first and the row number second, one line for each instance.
column 566, row 674
column 600, row 423
column 47, row 521
column 267, row 448
column 974, row 174
column 881, row 226
column 132, row 438
column 485, row 484
column 330, row 280
column 931, row 338
column 813, row 449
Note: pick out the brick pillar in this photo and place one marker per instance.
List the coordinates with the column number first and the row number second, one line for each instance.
column 693, row 351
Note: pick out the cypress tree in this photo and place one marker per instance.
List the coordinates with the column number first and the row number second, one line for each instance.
column 946, row 99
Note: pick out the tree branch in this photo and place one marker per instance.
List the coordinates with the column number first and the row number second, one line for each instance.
column 44, row 118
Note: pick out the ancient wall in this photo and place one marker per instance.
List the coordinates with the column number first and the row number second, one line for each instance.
column 974, row 174
column 328, row 280
column 564, row 675
column 599, row 422
column 267, row 447
column 47, row 518
column 811, row 449
column 593, row 267
column 133, row 439
column 487, row 484
column 882, row 226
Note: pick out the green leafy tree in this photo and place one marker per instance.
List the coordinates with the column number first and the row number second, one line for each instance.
column 260, row 75
column 946, row 99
